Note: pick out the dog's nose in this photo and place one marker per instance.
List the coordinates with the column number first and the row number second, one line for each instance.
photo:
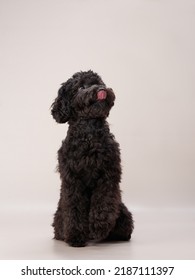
column 101, row 95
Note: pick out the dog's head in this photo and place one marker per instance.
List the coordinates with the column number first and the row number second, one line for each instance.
column 83, row 96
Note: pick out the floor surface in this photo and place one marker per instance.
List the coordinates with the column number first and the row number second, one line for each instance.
column 159, row 234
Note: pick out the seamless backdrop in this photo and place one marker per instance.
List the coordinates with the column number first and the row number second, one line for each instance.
column 144, row 50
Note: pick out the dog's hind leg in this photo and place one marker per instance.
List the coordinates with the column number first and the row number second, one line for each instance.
column 123, row 227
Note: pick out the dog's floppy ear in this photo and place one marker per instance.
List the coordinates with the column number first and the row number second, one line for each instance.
column 60, row 109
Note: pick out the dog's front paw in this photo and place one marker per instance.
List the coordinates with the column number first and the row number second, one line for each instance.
column 98, row 231
column 76, row 243
column 77, row 240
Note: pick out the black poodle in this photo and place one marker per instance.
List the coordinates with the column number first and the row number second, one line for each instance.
column 90, row 206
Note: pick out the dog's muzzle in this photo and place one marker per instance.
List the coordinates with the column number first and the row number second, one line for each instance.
column 101, row 94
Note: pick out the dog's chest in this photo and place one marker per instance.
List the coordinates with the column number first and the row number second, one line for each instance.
column 89, row 152
column 91, row 147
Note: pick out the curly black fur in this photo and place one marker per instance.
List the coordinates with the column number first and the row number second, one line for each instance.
column 90, row 206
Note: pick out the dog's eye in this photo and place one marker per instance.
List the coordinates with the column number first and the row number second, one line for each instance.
column 83, row 87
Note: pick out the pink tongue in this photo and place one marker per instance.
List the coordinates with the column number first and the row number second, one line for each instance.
column 101, row 95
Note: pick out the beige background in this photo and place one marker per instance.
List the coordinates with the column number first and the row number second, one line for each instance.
column 144, row 50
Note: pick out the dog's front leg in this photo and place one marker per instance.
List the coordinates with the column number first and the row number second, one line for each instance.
column 104, row 211
column 76, row 229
